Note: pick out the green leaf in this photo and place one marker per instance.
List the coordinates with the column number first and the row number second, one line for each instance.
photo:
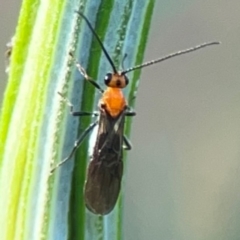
column 36, row 129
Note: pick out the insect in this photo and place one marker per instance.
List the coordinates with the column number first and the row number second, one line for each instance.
column 8, row 54
column 105, row 169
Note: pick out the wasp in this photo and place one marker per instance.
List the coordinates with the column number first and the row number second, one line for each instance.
column 105, row 170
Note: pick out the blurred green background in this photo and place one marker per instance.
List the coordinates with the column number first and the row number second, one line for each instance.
column 183, row 174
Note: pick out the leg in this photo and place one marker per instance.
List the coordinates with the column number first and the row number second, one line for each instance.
column 76, row 145
column 128, row 145
column 85, row 75
column 95, row 114
column 130, row 113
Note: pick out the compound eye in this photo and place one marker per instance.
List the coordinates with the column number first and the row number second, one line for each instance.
column 126, row 80
column 108, row 78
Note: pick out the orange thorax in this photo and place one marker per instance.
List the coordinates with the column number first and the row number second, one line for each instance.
column 114, row 101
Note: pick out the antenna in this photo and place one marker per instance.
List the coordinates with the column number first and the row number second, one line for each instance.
column 169, row 56
column 99, row 41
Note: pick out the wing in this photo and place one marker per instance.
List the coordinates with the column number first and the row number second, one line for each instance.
column 106, row 167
